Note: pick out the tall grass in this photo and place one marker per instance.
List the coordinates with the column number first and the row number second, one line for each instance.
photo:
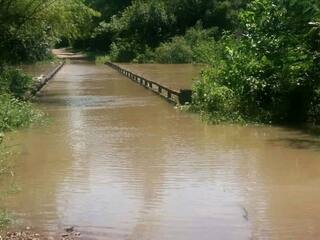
column 15, row 113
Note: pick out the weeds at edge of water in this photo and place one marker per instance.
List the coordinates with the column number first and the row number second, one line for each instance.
column 102, row 59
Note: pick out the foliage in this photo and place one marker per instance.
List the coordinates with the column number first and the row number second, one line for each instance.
column 14, row 82
column 273, row 68
column 218, row 100
column 197, row 45
column 16, row 113
column 30, row 27
column 123, row 50
column 108, row 8
column 102, row 59
column 176, row 51
column 151, row 22
column 214, row 13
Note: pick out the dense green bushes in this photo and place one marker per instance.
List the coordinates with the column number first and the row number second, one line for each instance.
column 13, row 81
column 272, row 69
column 263, row 61
column 176, row 51
column 29, row 28
column 149, row 23
column 195, row 46
column 14, row 112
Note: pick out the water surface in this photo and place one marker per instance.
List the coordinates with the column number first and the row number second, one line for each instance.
column 118, row 162
column 36, row 70
column 174, row 76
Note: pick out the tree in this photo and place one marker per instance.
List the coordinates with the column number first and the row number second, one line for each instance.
column 272, row 67
column 30, row 27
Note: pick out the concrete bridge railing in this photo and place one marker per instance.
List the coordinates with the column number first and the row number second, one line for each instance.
column 182, row 97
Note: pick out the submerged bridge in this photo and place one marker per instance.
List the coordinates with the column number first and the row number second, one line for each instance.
column 173, row 94
column 181, row 96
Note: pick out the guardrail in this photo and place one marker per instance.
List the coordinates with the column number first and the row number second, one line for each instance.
column 37, row 86
column 181, row 97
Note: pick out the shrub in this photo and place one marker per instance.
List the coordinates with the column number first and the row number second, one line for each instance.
column 214, row 101
column 273, row 68
column 15, row 113
column 102, row 59
column 197, row 45
column 176, row 51
column 123, row 51
column 14, row 81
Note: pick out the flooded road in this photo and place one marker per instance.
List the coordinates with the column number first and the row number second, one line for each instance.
column 118, row 162
column 174, row 76
column 35, row 70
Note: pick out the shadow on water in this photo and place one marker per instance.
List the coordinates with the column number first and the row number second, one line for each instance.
column 298, row 143
column 301, row 137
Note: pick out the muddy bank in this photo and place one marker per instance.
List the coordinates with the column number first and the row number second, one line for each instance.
column 29, row 234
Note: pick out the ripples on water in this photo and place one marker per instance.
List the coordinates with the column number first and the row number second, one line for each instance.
column 120, row 163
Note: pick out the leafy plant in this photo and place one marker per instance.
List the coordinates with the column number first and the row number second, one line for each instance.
column 176, row 51
column 14, row 81
column 273, row 67
column 15, row 113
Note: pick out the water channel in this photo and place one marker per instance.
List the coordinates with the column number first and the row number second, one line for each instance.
column 118, row 162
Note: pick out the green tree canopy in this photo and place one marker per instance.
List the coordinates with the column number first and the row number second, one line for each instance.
column 30, row 27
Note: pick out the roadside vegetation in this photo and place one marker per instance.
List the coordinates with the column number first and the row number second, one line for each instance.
column 29, row 29
column 262, row 56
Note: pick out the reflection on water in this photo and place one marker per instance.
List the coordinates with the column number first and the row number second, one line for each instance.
column 118, row 162
column 36, row 70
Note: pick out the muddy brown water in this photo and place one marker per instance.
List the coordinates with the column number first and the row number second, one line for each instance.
column 118, row 162
column 174, row 76
column 36, row 70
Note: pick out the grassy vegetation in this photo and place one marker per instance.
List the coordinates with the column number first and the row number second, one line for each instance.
column 15, row 113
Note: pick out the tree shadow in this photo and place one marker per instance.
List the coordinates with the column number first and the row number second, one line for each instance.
column 304, row 137
column 297, row 143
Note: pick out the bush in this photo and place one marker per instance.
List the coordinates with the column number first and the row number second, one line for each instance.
column 15, row 113
column 197, row 45
column 273, row 68
column 14, row 81
column 214, row 101
column 123, row 51
column 102, row 59
column 176, row 51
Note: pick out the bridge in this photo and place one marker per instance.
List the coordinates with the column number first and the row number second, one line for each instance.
column 181, row 96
